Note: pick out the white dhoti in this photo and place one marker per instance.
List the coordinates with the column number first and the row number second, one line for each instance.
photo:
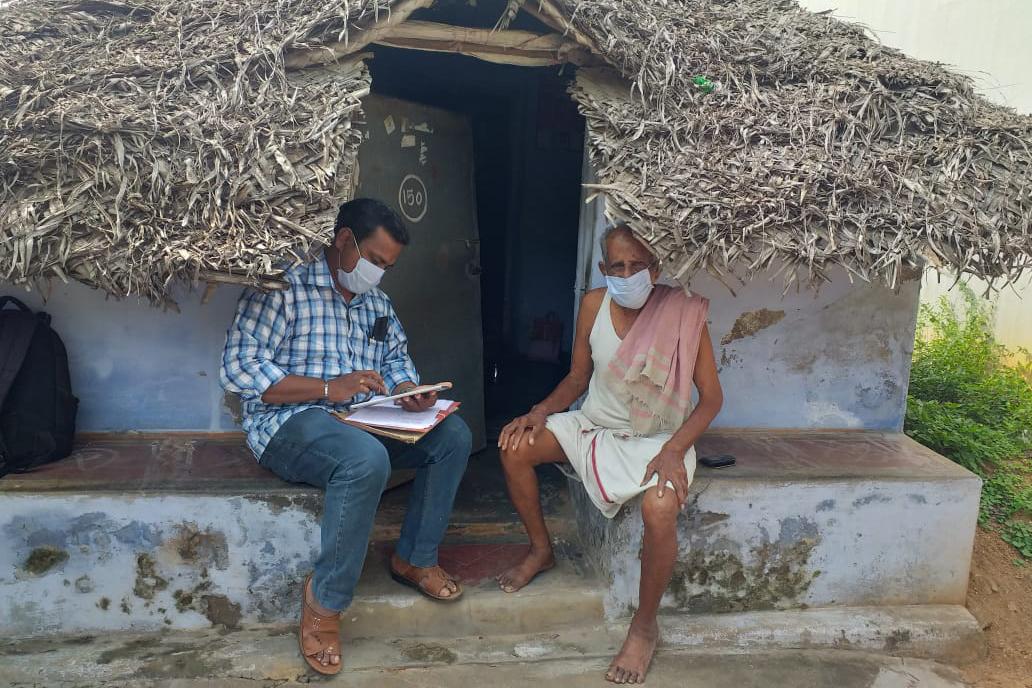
column 597, row 440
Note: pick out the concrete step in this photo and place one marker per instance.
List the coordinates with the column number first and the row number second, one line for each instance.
column 805, row 519
column 561, row 598
column 715, row 647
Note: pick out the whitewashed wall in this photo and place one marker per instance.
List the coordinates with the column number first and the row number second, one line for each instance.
column 990, row 41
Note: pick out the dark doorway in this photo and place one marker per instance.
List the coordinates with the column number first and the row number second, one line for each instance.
column 527, row 152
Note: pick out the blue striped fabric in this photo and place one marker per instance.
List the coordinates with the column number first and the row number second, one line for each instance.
column 307, row 329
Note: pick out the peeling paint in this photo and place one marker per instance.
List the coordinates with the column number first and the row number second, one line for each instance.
column 148, row 582
column 43, row 559
column 141, row 548
column 194, row 546
column 775, row 575
column 311, row 503
column 871, row 498
column 751, row 322
column 728, row 358
column 187, row 600
column 221, row 611
column 231, row 402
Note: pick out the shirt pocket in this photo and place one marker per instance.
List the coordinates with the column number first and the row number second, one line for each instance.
column 370, row 354
column 309, row 339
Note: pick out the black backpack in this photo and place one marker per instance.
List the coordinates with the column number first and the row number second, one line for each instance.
column 37, row 408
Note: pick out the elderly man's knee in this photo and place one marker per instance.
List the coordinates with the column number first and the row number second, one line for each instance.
column 660, row 511
column 516, row 458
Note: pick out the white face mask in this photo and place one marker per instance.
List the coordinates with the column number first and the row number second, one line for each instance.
column 630, row 292
column 364, row 277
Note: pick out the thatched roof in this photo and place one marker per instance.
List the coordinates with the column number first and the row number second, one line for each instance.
column 143, row 142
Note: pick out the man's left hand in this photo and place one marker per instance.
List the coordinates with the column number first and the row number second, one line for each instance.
column 417, row 402
column 669, row 464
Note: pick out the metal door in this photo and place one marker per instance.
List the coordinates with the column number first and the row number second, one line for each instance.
column 419, row 160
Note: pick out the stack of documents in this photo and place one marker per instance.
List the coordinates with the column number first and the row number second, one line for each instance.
column 392, row 421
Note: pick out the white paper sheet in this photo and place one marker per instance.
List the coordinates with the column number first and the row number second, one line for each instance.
column 390, row 416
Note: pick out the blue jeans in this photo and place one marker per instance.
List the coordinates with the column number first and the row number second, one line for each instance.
column 353, row 466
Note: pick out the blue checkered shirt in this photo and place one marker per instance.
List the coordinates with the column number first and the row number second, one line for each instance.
column 307, row 329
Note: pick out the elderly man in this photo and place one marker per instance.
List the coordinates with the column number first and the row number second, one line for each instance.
column 330, row 339
column 639, row 349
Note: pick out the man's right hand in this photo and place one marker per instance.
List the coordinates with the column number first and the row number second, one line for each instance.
column 346, row 387
column 527, row 426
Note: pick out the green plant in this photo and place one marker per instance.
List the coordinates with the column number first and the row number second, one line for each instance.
column 1019, row 534
column 971, row 400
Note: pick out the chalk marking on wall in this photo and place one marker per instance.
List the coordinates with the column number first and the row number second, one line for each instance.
column 413, row 198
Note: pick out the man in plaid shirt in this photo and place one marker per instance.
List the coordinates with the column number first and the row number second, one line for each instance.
column 330, row 339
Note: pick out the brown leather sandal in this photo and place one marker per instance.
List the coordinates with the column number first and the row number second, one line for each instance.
column 427, row 580
column 318, row 634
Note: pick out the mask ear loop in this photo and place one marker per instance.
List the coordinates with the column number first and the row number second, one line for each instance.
column 340, row 255
column 357, row 247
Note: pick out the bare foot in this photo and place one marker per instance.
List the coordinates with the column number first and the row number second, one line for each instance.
column 522, row 573
column 632, row 662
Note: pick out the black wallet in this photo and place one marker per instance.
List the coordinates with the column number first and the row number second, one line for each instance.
column 717, row 461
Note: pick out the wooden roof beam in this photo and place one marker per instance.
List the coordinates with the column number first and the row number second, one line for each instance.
column 549, row 15
column 331, row 52
column 509, row 47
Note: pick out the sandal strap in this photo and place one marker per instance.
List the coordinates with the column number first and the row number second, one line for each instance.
column 318, row 632
column 437, row 573
column 315, row 642
column 425, row 577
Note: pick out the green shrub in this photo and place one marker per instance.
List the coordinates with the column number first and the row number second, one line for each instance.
column 1019, row 535
column 971, row 400
column 964, row 400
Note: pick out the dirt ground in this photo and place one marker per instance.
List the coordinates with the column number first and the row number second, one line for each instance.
column 1000, row 597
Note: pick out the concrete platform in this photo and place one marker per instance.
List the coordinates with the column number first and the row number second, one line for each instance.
column 138, row 533
column 805, row 519
column 142, row 534
column 576, row 657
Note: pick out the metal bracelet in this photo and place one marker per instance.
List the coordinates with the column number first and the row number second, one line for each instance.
column 326, row 389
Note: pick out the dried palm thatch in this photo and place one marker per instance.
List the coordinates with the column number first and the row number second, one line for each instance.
column 141, row 143
column 146, row 142
column 821, row 147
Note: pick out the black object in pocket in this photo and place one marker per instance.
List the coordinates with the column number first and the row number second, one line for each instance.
column 379, row 332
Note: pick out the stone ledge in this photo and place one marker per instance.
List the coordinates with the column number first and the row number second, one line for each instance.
column 824, row 455
column 807, row 519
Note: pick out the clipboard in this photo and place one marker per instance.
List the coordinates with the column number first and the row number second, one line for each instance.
column 422, row 389
column 406, row 436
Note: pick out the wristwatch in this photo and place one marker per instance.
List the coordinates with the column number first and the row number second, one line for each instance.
column 326, row 390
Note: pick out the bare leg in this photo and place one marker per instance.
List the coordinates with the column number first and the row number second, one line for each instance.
column 523, row 491
column 658, row 554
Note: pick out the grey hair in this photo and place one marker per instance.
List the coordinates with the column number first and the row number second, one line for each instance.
column 610, row 231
